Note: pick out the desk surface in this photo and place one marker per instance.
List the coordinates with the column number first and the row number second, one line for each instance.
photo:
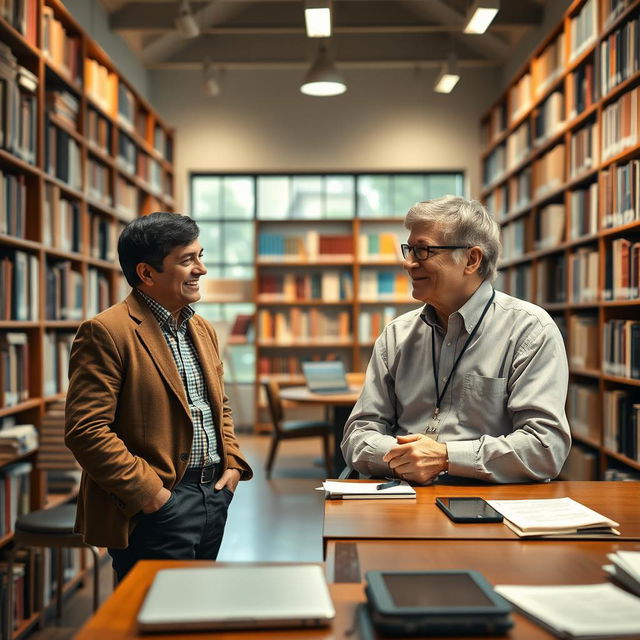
column 115, row 620
column 523, row 562
column 422, row 519
column 302, row 394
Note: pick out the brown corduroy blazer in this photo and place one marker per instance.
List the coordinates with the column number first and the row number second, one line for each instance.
column 127, row 418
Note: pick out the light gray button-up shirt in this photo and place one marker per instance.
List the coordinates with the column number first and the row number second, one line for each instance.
column 502, row 416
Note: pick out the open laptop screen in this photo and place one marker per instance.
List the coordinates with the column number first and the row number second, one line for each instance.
column 325, row 377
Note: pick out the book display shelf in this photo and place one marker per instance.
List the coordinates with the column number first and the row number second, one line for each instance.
column 81, row 154
column 561, row 174
column 324, row 290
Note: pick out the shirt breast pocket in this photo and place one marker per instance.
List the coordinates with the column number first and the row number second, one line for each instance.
column 483, row 402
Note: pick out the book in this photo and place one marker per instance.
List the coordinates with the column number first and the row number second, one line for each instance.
column 553, row 517
column 364, row 491
column 578, row 611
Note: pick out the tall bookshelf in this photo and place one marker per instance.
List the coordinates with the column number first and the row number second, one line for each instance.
column 81, row 154
column 324, row 289
column 561, row 174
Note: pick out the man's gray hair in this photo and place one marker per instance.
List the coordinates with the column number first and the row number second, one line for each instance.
column 461, row 222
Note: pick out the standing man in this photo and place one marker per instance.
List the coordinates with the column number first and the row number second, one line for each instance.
column 475, row 382
column 147, row 417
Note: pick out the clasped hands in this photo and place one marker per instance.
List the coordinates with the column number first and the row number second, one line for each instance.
column 417, row 458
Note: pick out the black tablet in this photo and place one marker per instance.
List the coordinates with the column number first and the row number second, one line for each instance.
column 449, row 602
column 468, row 510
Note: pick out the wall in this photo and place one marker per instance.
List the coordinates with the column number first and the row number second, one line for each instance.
column 94, row 19
column 386, row 121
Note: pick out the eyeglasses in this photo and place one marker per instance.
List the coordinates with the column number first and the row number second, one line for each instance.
column 424, row 252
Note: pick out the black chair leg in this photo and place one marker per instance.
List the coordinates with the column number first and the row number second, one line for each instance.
column 326, row 444
column 272, row 455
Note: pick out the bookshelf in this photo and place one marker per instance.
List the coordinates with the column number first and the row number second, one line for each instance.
column 324, row 289
column 81, row 154
column 561, row 174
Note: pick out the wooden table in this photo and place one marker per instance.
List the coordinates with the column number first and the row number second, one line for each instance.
column 341, row 403
column 115, row 620
column 422, row 519
column 521, row 562
column 551, row 562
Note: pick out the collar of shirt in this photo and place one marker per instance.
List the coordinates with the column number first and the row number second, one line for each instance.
column 470, row 311
column 164, row 316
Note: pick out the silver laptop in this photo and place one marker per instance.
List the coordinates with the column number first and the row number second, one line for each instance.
column 325, row 377
column 242, row 597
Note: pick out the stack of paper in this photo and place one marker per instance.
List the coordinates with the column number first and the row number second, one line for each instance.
column 365, row 490
column 553, row 517
column 581, row 611
column 625, row 569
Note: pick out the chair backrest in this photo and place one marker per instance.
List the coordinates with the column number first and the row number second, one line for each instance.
column 272, row 389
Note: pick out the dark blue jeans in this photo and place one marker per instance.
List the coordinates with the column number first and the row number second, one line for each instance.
column 188, row 526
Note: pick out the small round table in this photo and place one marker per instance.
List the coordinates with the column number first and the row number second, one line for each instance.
column 341, row 403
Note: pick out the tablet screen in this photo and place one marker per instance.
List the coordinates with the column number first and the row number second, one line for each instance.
column 424, row 590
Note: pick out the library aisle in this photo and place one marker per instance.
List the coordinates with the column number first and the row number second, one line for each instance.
column 268, row 521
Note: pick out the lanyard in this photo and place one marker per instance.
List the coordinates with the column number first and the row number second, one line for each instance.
column 433, row 426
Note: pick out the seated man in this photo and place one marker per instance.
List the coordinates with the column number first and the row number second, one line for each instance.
column 475, row 382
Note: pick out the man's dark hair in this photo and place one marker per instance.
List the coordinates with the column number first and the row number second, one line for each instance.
column 151, row 239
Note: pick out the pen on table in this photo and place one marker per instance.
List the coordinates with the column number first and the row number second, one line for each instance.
column 388, row 485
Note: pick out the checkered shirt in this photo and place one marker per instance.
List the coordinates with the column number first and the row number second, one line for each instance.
column 204, row 449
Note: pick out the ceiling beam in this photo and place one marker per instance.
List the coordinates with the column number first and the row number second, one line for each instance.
column 170, row 43
column 151, row 28
column 279, row 65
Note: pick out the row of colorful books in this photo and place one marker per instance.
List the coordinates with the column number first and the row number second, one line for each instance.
column 310, row 246
column 328, row 285
column 621, row 422
column 621, row 348
column 299, row 325
column 14, row 368
column 19, row 286
column 18, row 126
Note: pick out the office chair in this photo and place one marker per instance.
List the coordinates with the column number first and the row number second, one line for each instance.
column 52, row 528
column 290, row 429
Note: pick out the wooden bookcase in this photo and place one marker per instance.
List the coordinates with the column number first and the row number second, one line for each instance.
column 340, row 301
column 100, row 157
column 560, row 170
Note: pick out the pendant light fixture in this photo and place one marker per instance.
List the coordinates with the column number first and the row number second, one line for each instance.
column 185, row 22
column 210, row 79
column 323, row 79
column 448, row 76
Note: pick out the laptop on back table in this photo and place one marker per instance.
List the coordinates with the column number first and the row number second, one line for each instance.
column 325, row 377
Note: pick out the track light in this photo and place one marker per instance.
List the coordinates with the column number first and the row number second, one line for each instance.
column 448, row 77
column 481, row 15
column 317, row 16
column 323, row 79
column 210, row 80
column 185, row 22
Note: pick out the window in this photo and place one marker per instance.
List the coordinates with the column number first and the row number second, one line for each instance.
column 226, row 207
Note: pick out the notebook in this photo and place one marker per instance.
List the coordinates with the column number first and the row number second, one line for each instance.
column 242, row 597
column 325, row 377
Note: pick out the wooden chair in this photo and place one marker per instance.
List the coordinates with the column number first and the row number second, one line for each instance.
column 290, row 429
